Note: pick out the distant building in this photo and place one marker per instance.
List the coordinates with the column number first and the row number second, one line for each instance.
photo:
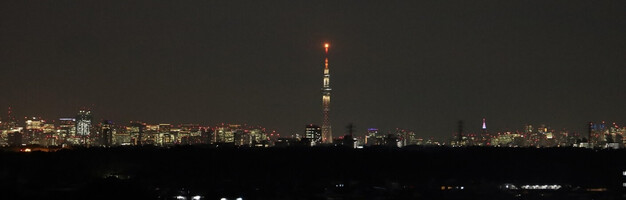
column 349, row 142
column 49, row 136
column 406, row 137
column 67, row 131
column 313, row 134
column 83, row 125
column 190, row 134
column 135, row 132
column 284, row 142
column 392, row 140
column 226, row 133
column 33, row 132
column 241, row 137
column 106, row 133
column 206, row 135
column 373, row 137
column 15, row 139
column 258, row 138
column 238, row 135
column 166, row 136
column 35, row 123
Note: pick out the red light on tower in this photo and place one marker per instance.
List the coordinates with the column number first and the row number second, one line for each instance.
column 326, row 45
column 326, row 63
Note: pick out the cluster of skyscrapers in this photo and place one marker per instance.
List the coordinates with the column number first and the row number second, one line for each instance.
column 82, row 130
column 599, row 135
column 77, row 130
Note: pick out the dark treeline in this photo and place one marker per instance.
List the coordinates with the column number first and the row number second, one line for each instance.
column 295, row 173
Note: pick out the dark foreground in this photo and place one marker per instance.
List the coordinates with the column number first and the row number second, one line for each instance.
column 313, row 173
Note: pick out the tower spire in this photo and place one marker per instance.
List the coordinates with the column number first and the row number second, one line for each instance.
column 327, row 135
column 484, row 127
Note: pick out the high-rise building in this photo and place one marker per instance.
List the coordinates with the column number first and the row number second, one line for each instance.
column 83, row 125
column 327, row 134
column 313, row 133
column 150, row 134
column 241, row 137
column 206, row 135
column 49, row 135
column 67, row 131
column 135, row 132
column 33, row 130
column 106, row 133
column 165, row 135
column 226, row 133
column 258, row 137
column 192, row 132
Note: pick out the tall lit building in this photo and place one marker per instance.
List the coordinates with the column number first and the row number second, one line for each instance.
column 106, row 133
column 327, row 134
column 33, row 130
column 258, row 137
column 135, row 133
column 67, row 131
column 166, row 135
column 226, row 133
column 83, row 125
column 313, row 133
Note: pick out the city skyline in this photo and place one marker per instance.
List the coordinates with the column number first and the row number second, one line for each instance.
column 213, row 99
column 420, row 66
column 10, row 121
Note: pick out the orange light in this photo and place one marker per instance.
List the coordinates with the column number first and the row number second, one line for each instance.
column 326, row 45
column 27, row 150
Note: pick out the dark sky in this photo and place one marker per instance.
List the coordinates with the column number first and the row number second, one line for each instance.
column 420, row 65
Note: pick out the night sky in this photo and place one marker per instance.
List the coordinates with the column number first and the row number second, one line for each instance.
column 420, row 65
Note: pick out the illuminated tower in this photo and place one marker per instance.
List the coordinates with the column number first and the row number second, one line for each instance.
column 484, row 127
column 460, row 136
column 590, row 134
column 327, row 134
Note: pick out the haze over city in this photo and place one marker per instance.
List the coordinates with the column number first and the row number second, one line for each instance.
column 415, row 65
